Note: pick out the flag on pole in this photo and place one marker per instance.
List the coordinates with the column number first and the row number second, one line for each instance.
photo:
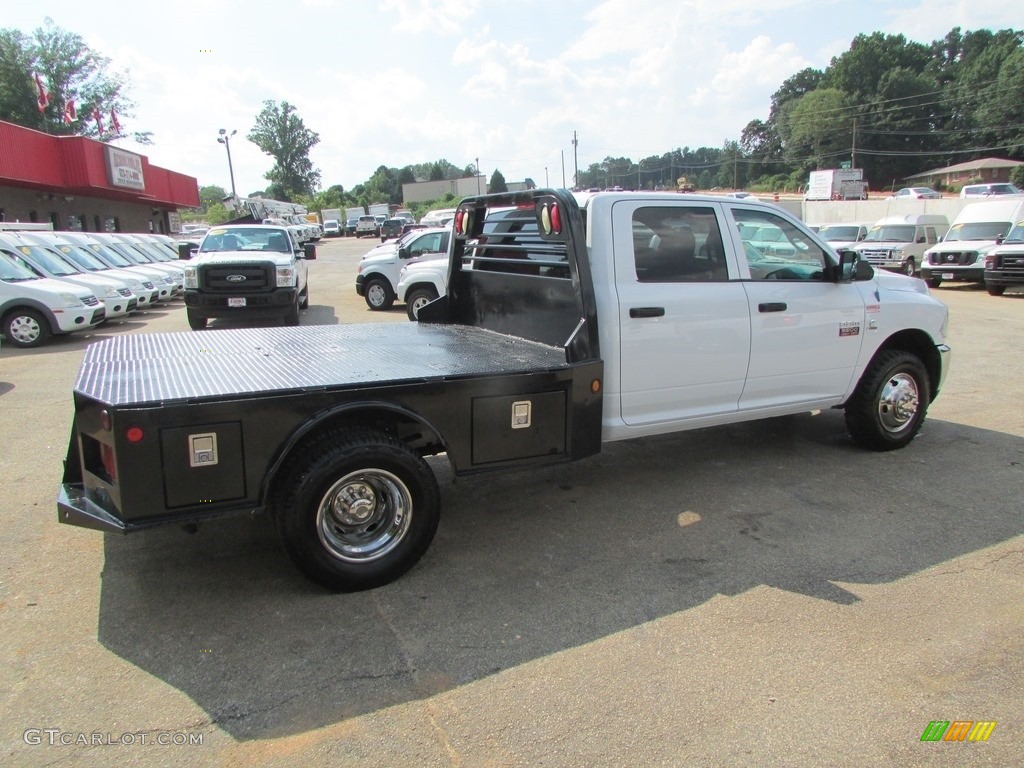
column 42, row 95
column 98, row 117
column 113, row 122
column 70, row 115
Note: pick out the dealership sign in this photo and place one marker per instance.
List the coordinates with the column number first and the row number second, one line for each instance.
column 124, row 169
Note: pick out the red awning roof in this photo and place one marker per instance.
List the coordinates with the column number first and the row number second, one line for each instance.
column 78, row 165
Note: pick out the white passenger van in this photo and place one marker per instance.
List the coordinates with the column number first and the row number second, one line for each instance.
column 960, row 257
column 899, row 243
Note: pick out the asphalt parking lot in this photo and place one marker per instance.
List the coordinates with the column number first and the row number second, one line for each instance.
column 758, row 595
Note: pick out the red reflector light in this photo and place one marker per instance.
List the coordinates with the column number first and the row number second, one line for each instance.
column 458, row 222
column 134, row 434
column 556, row 219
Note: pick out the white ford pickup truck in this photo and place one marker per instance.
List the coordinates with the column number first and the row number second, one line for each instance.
column 561, row 329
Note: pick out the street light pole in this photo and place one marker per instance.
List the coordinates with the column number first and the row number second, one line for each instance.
column 478, row 175
column 224, row 139
column 546, row 182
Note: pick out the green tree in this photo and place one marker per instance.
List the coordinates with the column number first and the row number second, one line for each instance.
column 17, row 91
column 210, row 195
column 71, row 71
column 497, row 182
column 280, row 133
column 819, row 128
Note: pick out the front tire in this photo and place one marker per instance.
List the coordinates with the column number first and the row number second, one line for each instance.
column 909, row 267
column 995, row 290
column 25, row 328
column 195, row 322
column 378, row 294
column 356, row 509
column 889, row 405
column 934, row 282
column 417, row 299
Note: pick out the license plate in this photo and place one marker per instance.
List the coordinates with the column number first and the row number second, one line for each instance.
column 945, row 276
column 232, row 302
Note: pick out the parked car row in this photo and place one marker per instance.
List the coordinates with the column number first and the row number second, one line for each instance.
column 54, row 283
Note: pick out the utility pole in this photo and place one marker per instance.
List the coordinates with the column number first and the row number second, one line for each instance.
column 575, row 162
column 563, row 168
column 853, row 149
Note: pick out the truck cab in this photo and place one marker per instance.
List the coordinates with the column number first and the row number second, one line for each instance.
column 252, row 271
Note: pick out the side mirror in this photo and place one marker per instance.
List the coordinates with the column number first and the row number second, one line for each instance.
column 852, row 268
column 920, row 238
column 999, row 239
column 184, row 250
column 309, row 251
column 403, row 252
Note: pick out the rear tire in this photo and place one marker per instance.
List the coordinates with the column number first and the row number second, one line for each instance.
column 356, row 509
column 25, row 327
column 889, row 405
column 195, row 322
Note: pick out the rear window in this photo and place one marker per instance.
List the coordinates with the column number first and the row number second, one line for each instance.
column 511, row 243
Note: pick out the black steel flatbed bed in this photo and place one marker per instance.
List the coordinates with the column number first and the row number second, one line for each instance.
column 189, row 366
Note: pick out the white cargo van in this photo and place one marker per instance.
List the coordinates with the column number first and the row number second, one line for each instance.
column 960, row 257
column 844, row 235
column 899, row 242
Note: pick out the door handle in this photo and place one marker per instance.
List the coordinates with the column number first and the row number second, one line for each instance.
column 772, row 306
column 646, row 311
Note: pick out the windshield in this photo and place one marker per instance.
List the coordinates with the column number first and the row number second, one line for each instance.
column 839, row 234
column 81, row 257
column 47, row 260
column 1017, row 233
column 244, row 239
column 979, row 230
column 896, row 234
column 111, row 255
column 12, row 272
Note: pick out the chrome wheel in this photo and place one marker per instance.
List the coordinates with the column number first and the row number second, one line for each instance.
column 898, row 403
column 364, row 515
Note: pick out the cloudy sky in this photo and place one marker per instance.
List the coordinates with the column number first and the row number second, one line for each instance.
column 398, row 82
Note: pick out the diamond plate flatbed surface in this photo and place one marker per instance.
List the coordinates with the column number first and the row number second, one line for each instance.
column 198, row 365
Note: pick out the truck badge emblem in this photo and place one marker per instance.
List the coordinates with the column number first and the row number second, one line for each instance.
column 235, row 278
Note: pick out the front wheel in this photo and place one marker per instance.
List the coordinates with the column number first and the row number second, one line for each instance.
column 356, row 509
column 889, row 405
column 292, row 318
column 934, row 282
column 417, row 299
column 26, row 327
column 909, row 267
column 995, row 290
column 378, row 294
column 195, row 322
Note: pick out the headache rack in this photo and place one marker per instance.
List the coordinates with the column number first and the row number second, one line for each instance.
column 503, row 245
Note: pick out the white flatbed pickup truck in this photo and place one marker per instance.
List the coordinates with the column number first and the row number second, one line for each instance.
column 561, row 328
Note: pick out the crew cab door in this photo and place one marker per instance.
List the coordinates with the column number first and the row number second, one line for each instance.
column 806, row 330
column 684, row 325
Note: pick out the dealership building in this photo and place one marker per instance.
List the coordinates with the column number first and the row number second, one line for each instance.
column 79, row 184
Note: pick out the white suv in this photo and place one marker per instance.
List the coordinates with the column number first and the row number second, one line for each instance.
column 377, row 280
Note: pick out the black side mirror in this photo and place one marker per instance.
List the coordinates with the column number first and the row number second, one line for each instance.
column 403, row 252
column 309, row 251
column 185, row 250
column 852, row 268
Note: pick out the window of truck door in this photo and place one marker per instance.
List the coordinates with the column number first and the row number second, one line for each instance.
column 806, row 330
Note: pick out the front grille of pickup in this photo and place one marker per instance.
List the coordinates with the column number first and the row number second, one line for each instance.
column 234, row 278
